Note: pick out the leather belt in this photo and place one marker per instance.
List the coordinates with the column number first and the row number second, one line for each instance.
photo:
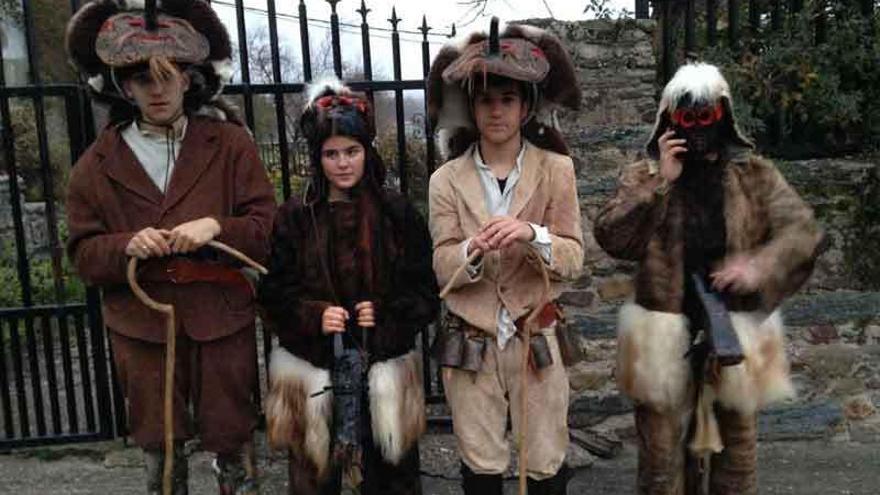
column 182, row 271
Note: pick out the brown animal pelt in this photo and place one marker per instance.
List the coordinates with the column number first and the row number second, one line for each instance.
column 82, row 31
column 651, row 365
column 763, row 377
column 296, row 418
column 397, row 405
column 205, row 20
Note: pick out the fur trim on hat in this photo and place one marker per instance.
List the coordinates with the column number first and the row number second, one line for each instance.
column 224, row 69
column 704, row 83
column 448, row 102
column 84, row 25
column 317, row 124
column 137, row 4
column 324, row 86
column 96, row 83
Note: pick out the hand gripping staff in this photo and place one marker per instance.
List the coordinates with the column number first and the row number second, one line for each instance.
column 170, row 338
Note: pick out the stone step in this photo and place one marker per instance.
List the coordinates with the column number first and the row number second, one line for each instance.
column 788, row 422
column 801, row 422
column 831, row 308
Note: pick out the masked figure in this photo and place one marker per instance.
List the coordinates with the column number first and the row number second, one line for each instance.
column 721, row 239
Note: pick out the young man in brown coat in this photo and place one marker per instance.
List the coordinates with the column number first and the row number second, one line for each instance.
column 704, row 211
column 159, row 182
column 508, row 202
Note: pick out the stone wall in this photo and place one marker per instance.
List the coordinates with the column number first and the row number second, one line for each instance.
column 616, row 66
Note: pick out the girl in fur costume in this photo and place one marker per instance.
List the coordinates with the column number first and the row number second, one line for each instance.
column 350, row 274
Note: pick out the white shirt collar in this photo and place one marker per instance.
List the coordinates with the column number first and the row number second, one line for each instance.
column 519, row 157
column 159, row 136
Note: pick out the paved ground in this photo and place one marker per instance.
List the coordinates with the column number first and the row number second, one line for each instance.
column 802, row 468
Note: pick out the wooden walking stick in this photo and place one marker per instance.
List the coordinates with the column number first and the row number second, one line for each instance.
column 531, row 321
column 170, row 350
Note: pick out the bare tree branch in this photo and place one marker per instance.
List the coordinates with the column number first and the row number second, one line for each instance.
column 476, row 9
column 548, row 10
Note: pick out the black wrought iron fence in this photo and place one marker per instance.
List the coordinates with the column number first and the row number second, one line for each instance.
column 57, row 383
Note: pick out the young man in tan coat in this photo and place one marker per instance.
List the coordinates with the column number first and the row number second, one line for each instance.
column 507, row 202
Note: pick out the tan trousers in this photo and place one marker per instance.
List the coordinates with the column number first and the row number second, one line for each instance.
column 481, row 401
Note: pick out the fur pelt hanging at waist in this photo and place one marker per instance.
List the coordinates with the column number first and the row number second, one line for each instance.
column 299, row 420
column 652, row 368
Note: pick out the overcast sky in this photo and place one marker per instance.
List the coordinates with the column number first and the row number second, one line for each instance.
column 441, row 14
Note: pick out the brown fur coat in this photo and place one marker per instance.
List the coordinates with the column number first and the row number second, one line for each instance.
column 763, row 217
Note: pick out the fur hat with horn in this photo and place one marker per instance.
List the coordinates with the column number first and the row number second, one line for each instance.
column 698, row 83
column 108, row 35
column 522, row 53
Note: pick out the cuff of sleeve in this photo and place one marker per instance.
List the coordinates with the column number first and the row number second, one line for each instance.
column 475, row 267
column 227, row 228
column 542, row 241
column 316, row 308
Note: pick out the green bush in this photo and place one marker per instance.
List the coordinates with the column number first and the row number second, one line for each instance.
column 416, row 166
column 828, row 92
column 41, row 277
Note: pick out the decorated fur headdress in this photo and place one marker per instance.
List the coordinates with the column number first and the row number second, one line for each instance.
column 333, row 109
column 522, row 53
column 698, row 83
column 108, row 35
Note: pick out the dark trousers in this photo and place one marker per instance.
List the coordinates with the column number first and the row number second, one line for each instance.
column 215, row 380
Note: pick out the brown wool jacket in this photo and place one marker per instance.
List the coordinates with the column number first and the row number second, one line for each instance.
column 546, row 194
column 110, row 197
column 764, row 217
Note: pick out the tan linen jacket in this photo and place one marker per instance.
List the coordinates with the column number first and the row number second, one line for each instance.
column 546, row 194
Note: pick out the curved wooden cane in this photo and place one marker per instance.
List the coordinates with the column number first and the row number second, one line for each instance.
column 170, row 350
column 528, row 327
